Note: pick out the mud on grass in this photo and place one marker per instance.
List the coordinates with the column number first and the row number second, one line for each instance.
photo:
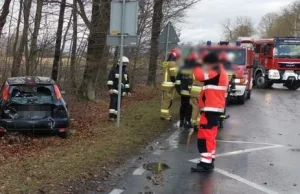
column 56, row 167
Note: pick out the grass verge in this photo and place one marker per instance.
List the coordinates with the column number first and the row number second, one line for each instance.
column 85, row 158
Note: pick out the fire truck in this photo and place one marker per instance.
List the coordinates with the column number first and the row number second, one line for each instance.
column 277, row 60
column 241, row 67
column 247, row 42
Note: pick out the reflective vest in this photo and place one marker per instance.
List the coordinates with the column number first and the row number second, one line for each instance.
column 184, row 81
column 213, row 93
column 169, row 70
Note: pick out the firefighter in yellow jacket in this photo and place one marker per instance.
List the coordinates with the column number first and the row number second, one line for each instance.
column 170, row 68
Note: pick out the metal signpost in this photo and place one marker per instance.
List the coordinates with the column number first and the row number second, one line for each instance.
column 168, row 39
column 123, row 28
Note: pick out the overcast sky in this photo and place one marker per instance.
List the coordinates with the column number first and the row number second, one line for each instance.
column 203, row 21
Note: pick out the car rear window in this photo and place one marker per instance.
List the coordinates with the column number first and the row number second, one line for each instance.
column 24, row 94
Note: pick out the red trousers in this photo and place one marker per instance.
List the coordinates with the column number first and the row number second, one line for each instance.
column 207, row 134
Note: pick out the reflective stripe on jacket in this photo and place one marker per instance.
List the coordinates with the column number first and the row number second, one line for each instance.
column 212, row 96
column 169, row 73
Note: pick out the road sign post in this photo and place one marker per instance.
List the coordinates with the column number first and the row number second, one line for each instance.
column 168, row 39
column 123, row 28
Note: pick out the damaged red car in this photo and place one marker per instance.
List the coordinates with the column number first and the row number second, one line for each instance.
column 30, row 104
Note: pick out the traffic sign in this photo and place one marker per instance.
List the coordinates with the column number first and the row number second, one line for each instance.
column 168, row 39
column 131, row 15
column 129, row 41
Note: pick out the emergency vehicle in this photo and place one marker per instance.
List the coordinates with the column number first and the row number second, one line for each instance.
column 277, row 61
column 247, row 42
column 241, row 67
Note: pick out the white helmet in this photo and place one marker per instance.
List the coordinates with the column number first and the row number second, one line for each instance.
column 124, row 59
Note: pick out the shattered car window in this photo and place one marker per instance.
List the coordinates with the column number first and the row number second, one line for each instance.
column 31, row 94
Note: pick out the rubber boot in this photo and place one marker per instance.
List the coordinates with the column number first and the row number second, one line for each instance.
column 203, row 167
column 213, row 163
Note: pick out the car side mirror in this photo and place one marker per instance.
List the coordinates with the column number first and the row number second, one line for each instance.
column 63, row 92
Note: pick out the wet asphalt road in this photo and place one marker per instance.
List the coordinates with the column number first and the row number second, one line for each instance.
column 259, row 152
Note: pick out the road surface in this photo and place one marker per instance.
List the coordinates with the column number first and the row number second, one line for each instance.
column 258, row 152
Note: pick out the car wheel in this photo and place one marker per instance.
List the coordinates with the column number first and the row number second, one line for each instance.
column 64, row 134
column 293, row 86
column 242, row 99
column 249, row 94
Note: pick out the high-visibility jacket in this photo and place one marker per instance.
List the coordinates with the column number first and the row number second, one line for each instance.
column 215, row 84
column 113, row 81
column 184, row 80
column 169, row 73
column 196, row 87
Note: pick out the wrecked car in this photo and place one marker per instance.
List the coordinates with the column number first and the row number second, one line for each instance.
column 30, row 104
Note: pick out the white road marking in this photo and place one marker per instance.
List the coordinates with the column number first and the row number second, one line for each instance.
column 139, row 171
column 248, row 150
column 249, row 183
column 196, row 160
column 246, row 142
column 116, row 191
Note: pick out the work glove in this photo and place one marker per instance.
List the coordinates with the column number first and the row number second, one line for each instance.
column 111, row 91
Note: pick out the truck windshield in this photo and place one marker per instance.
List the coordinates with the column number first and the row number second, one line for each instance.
column 248, row 45
column 287, row 50
column 239, row 54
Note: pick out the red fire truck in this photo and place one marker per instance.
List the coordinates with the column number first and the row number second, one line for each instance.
column 247, row 42
column 277, row 60
column 241, row 67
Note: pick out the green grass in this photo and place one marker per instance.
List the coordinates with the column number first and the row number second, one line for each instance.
column 85, row 157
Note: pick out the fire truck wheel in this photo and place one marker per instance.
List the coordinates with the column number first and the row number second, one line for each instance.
column 241, row 99
column 293, row 86
column 261, row 82
column 248, row 94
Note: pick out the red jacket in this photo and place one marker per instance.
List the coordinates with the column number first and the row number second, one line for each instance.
column 213, row 93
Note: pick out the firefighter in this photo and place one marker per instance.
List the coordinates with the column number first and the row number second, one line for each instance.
column 224, row 59
column 195, row 94
column 182, row 85
column 113, row 85
column 170, row 68
column 212, row 105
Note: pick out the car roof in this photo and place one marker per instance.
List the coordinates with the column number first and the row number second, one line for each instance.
column 30, row 80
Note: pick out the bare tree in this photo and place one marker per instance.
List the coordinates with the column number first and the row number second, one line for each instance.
column 16, row 71
column 4, row 14
column 58, row 40
column 74, row 46
column 96, row 49
column 242, row 26
column 156, row 27
column 33, row 46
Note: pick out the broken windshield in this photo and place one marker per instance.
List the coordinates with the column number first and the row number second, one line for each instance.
column 40, row 94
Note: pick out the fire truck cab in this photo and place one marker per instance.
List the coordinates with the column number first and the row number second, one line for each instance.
column 277, row 60
column 247, row 42
column 241, row 67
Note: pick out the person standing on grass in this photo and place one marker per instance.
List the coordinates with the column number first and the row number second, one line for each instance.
column 113, row 86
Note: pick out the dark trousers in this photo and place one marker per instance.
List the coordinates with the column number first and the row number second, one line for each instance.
column 185, row 110
column 113, row 106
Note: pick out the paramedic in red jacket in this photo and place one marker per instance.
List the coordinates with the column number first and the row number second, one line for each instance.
column 212, row 105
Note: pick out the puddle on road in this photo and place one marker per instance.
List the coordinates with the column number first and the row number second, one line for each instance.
column 295, row 150
column 156, row 167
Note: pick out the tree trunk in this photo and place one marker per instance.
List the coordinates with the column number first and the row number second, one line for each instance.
column 33, row 46
column 156, row 26
column 18, row 57
column 96, row 48
column 17, row 37
column 74, row 46
column 63, row 48
column 58, row 40
column 4, row 14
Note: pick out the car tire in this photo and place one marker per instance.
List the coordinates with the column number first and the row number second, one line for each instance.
column 64, row 134
column 248, row 94
column 293, row 86
column 242, row 99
